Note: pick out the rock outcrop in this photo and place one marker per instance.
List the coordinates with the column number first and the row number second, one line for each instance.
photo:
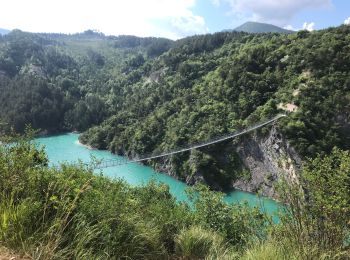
column 268, row 159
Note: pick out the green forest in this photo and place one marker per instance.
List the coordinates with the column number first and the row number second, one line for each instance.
column 136, row 96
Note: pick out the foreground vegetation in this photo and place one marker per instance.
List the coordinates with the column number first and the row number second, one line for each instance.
column 69, row 213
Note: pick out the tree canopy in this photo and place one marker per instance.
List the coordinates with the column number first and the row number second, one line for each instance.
column 144, row 95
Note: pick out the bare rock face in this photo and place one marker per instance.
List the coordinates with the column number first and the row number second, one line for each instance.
column 195, row 179
column 166, row 167
column 34, row 70
column 268, row 159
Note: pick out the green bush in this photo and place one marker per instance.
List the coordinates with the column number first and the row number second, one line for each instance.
column 319, row 205
column 237, row 223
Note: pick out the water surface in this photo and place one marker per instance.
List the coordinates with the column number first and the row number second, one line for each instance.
column 66, row 148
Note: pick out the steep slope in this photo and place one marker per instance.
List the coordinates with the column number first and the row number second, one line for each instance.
column 59, row 82
column 255, row 27
column 211, row 85
column 137, row 96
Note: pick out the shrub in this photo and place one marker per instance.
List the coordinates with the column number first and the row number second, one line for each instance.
column 319, row 208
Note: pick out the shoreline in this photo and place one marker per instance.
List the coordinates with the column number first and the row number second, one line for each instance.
column 176, row 177
column 85, row 145
column 226, row 192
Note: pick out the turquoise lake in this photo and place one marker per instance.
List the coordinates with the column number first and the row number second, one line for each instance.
column 66, row 148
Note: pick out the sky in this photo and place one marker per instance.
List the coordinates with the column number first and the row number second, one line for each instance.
column 172, row 19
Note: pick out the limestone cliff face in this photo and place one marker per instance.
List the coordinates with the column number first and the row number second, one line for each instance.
column 268, row 160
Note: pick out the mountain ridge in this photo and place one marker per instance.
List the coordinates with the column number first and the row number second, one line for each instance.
column 257, row 27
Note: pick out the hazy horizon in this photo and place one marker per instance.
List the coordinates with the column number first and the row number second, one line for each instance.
column 166, row 18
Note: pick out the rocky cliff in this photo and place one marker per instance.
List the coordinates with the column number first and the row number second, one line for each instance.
column 265, row 160
column 268, row 159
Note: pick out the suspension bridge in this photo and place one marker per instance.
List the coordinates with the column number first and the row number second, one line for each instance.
column 123, row 160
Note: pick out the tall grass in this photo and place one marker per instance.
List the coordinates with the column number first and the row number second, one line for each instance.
column 11, row 222
column 198, row 243
column 270, row 250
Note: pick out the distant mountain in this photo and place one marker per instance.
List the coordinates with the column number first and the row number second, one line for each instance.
column 255, row 27
column 4, row 31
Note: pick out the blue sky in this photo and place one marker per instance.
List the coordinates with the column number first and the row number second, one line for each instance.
column 168, row 18
column 226, row 14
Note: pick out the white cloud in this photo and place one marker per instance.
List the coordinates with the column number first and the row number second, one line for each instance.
column 166, row 18
column 289, row 27
column 272, row 11
column 347, row 21
column 188, row 25
column 216, row 2
column 309, row 26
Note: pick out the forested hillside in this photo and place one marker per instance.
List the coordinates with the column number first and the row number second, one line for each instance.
column 62, row 82
column 146, row 95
